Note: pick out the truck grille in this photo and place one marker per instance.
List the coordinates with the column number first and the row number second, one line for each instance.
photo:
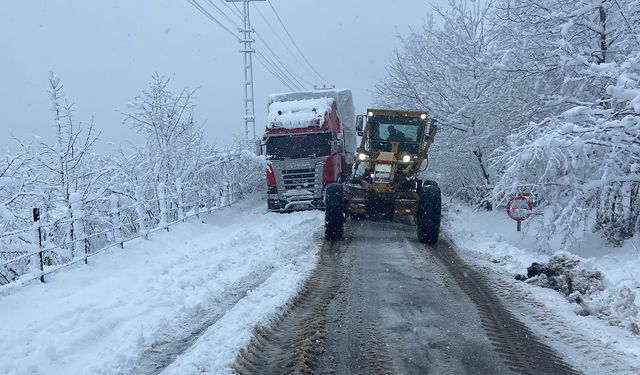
column 299, row 178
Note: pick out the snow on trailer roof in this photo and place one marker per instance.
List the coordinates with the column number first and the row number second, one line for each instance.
column 298, row 113
column 344, row 103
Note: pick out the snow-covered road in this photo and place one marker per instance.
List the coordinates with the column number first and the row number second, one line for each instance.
column 187, row 299
column 186, row 302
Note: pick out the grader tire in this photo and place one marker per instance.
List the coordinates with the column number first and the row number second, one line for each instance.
column 429, row 214
column 358, row 217
column 334, row 212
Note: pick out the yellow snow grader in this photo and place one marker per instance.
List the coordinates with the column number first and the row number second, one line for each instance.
column 385, row 183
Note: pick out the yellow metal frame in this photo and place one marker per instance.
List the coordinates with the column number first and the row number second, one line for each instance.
column 404, row 202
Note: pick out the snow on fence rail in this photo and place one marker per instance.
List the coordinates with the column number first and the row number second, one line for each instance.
column 125, row 223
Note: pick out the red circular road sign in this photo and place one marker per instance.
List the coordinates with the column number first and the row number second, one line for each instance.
column 519, row 207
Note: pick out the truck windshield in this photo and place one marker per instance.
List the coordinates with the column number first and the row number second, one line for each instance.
column 299, row 146
column 395, row 128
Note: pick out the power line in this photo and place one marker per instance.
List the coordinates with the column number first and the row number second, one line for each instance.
column 284, row 70
column 225, row 15
column 237, row 9
column 287, row 70
column 212, row 18
column 277, row 58
column 282, row 67
column 286, row 45
column 274, row 72
column 294, row 42
column 233, row 9
column 278, row 69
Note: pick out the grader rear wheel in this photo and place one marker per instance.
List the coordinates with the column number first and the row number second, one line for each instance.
column 358, row 217
column 429, row 214
column 334, row 213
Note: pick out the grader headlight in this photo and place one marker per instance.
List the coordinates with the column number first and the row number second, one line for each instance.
column 406, row 158
column 362, row 156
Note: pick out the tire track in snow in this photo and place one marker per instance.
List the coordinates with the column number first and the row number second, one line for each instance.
column 523, row 352
column 563, row 334
column 292, row 343
column 175, row 340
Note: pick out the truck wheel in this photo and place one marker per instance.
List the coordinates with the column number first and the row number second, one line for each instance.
column 429, row 214
column 358, row 217
column 334, row 212
column 273, row 206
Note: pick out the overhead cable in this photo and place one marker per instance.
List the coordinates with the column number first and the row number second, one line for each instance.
column 285, row 44
column 276, row 68
column 294, row 42
column 268, row 66
column 212, row 18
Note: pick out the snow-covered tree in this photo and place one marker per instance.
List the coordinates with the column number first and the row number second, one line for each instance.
column 72, row 177
column 584, row 163
column 562, row 76
column 453, row 73
column 174, row 139
column 581, row 158
column 88, row 201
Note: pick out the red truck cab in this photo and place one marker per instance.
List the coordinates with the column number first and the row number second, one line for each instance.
column 304, row 143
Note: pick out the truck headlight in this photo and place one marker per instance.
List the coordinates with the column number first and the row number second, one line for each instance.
column 423, row 116
column 362, row 156
column 406, row 158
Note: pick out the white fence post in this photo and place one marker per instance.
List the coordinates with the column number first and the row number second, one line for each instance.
column 180, row 199
column 140, row 213
column 225, row 195
column 78, row 225
column 217, row 196
column 162, row 204
column 115, row 220
column 37, row 226
column 234, row 192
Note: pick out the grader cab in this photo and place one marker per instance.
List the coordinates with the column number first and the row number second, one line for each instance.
column 385, row 183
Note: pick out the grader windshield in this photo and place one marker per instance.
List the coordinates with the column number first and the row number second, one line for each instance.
column 395, row 128
column 387, row 129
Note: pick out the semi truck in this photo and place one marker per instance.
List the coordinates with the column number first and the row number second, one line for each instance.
column 309, row 142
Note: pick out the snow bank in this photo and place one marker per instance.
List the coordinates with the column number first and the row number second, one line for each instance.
column 598, row 279
column 299, row 113
column 100, row 318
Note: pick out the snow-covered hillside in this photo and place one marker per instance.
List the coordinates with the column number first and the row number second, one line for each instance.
column 214, row 278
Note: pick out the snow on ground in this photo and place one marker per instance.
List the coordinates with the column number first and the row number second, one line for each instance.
column 490, row 240
column 103, row 318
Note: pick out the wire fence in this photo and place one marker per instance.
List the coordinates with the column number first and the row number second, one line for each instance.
column 85, row 235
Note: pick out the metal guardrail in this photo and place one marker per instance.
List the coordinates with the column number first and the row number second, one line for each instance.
column 231, row 194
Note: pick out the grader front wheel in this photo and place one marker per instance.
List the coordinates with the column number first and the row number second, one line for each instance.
column 429, row 214
column 334, row 212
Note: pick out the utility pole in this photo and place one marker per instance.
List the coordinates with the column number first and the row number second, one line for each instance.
column 247, row 51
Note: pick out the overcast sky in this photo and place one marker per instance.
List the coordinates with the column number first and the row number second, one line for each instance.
column 106, row 51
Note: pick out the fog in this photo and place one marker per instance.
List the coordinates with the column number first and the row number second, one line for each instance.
column 106, row 53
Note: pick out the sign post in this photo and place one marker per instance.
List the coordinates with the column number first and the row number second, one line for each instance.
column 519, row 208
